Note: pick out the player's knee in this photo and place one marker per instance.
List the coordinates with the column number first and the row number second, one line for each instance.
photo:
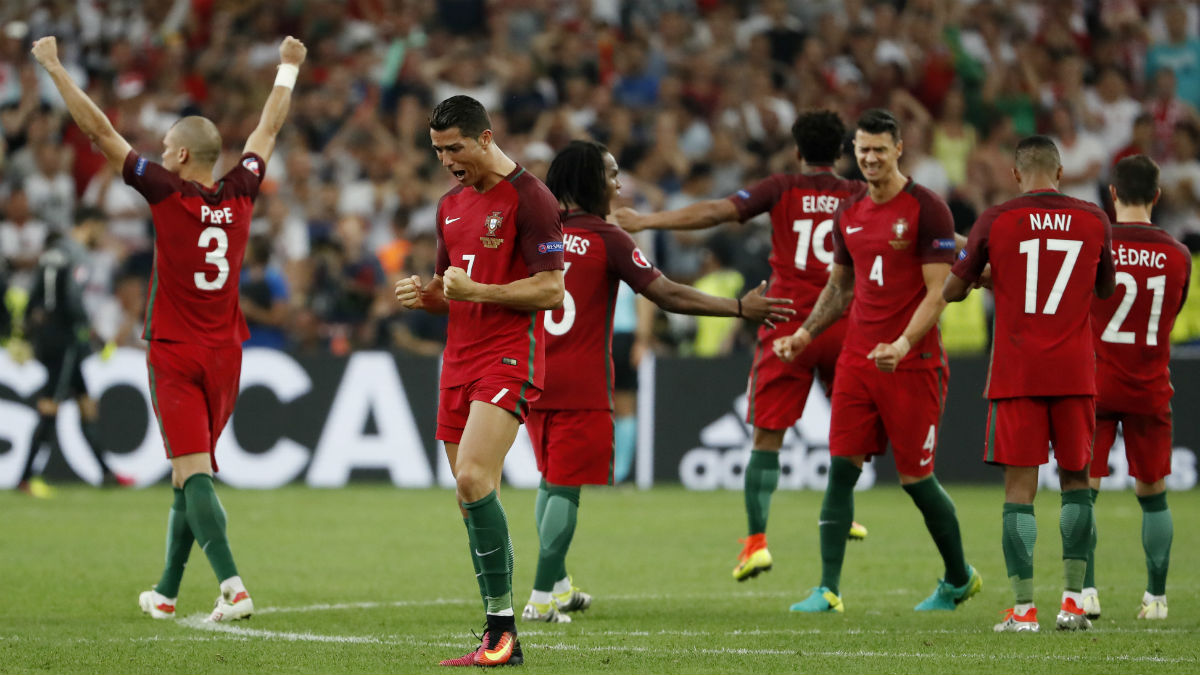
column 473, row 483
column 768, row 439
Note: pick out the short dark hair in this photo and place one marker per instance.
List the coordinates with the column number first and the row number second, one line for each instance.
column 1037, row 154
column 576, row 177
column 85, row 213
column 1136, row 180
column 818, row 135
column 463, row 112
column 879, row 121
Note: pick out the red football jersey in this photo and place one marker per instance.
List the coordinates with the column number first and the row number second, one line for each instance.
column 1047, row 252
column 510, row 232
column 802, row 208
column 887, row 244
column 579, row 363
column 200, row 240
column 1131, row 329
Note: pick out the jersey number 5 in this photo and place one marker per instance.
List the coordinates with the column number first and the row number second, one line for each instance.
column 561, row 327
column 215, row 257
column 807, row 237
column 1113, row 333
column 1030, row 248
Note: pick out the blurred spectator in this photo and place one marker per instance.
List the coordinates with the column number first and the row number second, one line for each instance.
column 50, row 190
column 1179, row 212
column 22, row 238
column 264, row 296
column 1083, row 156
column 1179, row 53
column 715, row 335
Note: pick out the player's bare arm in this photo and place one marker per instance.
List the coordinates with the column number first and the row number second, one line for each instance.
column 888, row 355
column 753, row 306
column 956, row 288
column 412, row 295
column 543, row 290
column 262, row 140
column 693, row 217
column 91, row 120
column 831, row 305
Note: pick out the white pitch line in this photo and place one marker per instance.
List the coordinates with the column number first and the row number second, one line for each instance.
column 197, row 621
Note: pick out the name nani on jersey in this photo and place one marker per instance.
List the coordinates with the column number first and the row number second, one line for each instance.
column 1050, row 221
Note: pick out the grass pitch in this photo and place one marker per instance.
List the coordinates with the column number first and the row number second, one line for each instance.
column 372, row 579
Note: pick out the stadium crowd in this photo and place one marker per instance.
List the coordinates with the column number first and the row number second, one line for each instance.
column 695, row 99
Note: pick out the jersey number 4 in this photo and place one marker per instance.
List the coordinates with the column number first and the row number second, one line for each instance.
column 215, row 257
column 1030, row 248
column 1113, row 333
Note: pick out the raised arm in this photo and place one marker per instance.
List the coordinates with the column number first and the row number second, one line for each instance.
column 693, row 217
column 262, row 140
column 91, row 120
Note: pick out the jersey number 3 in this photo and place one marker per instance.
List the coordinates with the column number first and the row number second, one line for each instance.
column 215, row 257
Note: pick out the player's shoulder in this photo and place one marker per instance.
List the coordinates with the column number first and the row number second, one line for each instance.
column 528, row 185
column 591, row 224
column 1148, row 233
column 925, row 197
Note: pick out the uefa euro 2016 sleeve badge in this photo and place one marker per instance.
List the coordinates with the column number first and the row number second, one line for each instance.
column 492, row 224
column 900, row 228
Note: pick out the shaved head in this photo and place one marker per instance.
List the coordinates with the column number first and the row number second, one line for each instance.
column 201, row 138
column 1037, row 155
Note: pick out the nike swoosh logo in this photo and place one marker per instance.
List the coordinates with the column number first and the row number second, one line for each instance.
column 852, row 230
column 451, row 220
column 500, row 654
column 488, row 553
column 927, row 460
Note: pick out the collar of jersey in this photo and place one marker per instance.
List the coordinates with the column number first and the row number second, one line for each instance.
column 1043, row 191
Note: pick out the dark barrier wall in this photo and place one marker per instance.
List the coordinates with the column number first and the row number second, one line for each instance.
column 327, row 420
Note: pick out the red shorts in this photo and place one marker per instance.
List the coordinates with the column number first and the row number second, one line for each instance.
column 1021, row 430
column 573, row 447
column 508, row 393
column 778, row 390
column 1148, row 443
column 871, row 407
column 193, row 389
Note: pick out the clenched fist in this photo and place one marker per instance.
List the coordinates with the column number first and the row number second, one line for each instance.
column 292, row 51
column 408, row 292
column 45, row 51
column 457, row 285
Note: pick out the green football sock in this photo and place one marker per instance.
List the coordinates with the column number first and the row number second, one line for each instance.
column 837, row 512
column 1089, row 577
column 1157, row 532
column 539, row 506
column 942, row 523
column 493, row 548
column 475, row 561
column 1075, row 522
column 206, row 517
column 1020, row 535
column 179, row 546
column 554, row 534
column 762, row 477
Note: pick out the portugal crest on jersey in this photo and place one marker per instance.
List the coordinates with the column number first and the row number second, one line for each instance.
column 492, row 224
column 900, row 228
